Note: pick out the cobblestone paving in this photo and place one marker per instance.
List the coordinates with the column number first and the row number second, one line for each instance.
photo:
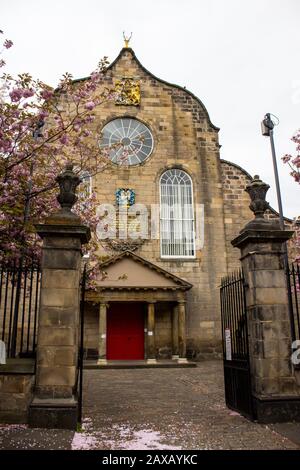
column 153, row 409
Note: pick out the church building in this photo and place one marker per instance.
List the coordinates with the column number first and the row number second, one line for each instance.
column 158, row 294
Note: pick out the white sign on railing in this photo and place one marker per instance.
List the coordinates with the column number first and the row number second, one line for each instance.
column 228, row 354
column 2, row 352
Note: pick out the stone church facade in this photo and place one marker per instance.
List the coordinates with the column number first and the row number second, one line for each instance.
column 158, row 299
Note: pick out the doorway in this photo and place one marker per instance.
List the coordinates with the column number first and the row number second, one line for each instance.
column 125, row 331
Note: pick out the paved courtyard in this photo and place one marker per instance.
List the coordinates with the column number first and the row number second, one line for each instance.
column 153, row 409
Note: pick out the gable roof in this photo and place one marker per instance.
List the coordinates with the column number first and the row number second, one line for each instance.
column 128, row 271
column 164, row 82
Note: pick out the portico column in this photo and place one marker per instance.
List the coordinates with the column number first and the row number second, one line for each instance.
column 181, row 332
column 102, row 334
column 151, row 356
column 175, row 349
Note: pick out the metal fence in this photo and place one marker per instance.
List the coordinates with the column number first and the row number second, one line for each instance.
column 19, row 301
column 81, row 345
column 294, row 288
column 237, row 377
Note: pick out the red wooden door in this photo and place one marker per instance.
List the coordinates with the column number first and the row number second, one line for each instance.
column 125, row 331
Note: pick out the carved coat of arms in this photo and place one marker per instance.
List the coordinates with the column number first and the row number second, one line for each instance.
column 128, row 92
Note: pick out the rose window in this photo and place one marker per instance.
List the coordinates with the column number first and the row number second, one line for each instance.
column 129, row 141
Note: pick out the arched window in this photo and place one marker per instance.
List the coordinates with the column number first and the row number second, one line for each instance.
column 177, row 232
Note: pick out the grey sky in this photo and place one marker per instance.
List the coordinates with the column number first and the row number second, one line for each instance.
column 240, row 58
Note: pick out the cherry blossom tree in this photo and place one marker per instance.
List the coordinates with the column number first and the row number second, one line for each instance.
column 41, row 129
column 294, row 163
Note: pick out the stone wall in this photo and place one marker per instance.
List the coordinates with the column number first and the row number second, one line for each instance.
column 91, row 329
column 236, row 208
column 16, row 389
column 163, row 330
column 183, row 138
column 16, row 394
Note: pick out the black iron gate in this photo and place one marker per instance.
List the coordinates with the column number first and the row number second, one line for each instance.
column 294, row 291
column 237, row 378
column 81, row 345
column 293, row 285
column 19, row 302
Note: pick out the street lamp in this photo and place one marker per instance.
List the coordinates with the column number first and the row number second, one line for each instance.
column 267, row 126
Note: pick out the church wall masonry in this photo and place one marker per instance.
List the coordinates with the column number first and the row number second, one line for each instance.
column 184, row 138
column 236, row 208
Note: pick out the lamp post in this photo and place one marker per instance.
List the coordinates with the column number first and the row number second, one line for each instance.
column 267, row 126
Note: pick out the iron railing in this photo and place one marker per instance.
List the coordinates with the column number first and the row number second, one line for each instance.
column 81, row 345
column 19, row 301
column 234, row 319
column 237, row 376
column 294, row 288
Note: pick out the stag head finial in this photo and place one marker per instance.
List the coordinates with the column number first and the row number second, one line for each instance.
column 126, row 39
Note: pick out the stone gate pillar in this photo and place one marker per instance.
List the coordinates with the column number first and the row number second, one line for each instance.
column 54, row 404
column 275, row 391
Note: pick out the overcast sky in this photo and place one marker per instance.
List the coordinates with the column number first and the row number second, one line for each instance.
column 241, row 58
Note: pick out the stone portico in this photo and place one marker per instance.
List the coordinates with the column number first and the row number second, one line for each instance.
column 134, row 290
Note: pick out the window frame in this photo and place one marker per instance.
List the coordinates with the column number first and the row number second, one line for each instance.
column 138, row 122
column 177, row 257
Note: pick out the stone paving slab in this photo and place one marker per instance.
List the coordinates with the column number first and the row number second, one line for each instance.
column 19, row 436
column 289, row 430
column 155, row 409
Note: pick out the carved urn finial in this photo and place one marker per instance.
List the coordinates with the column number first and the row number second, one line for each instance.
column 68, row 182
column 257, row 191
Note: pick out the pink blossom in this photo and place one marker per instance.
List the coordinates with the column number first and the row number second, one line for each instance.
column 28, row 92
column 42, row 115
column 94, row 76
column 83, row 442
column 46, row 94
column 2, row 63
column 7, row 43
column 21, row 118
column 76, row 127
column 89, row 118
column 286, row 158
column 16, row 94
column 296, row 176
column 90, row 105
column 64, row 139
column 16, row 113
column 296, row 161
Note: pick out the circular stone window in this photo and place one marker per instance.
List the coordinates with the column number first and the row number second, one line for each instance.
column 128, row 141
